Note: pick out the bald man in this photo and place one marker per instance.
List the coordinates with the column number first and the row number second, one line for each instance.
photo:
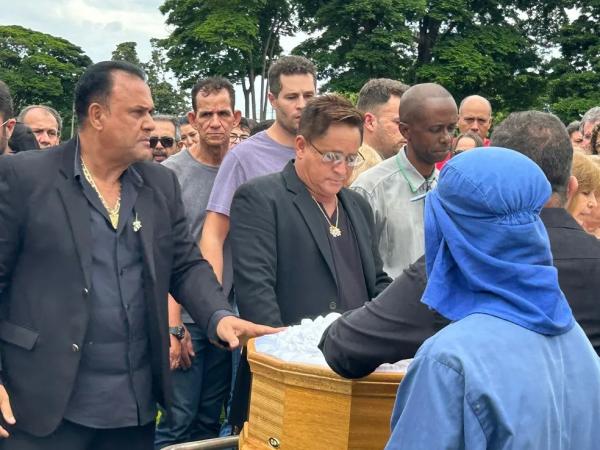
column 396, row 187
column 44, row 121
column 475, row 116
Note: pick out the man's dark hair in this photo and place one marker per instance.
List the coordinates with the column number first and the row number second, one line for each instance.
column 377, row 92
column 261, row 126
column 22, row 139
column 96, row 83
column 288, row 65
column 6, row 103
column 172, row 120
column 245, row 124
column 325, row 110
column 543, row 138
column 212, row 85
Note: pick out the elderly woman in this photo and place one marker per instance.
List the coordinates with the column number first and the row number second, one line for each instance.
column 514, row 370
column 584, row 200
column 591, row 223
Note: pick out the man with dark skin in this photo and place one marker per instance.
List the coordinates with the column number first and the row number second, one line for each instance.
column 396, row 323
column 394, row 188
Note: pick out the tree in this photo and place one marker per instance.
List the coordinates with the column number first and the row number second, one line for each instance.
column 575, row 75
column 126, row 51
column 356, row 40
column 235, row 39
column 494, row 48
column 40, row 69
column 168, row 99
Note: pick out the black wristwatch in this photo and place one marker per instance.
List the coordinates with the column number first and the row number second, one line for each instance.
column 178, row 332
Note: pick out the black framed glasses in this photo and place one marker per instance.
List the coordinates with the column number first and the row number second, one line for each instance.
column 336, row 157
column 234, row 137
column 165, row 141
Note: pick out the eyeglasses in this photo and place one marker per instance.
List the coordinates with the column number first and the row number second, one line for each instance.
column 165, row 141
column 234, row 137
column 4, row 123
column 336, row 158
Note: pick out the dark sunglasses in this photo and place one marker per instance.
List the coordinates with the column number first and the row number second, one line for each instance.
column 165, row 141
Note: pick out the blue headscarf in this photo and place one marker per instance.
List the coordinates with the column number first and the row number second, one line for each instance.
column 486, row 248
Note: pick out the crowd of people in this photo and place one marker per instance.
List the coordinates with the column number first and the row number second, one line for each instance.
column 138, row 257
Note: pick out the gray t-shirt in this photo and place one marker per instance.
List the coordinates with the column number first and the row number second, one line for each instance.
column 196, row 180
column 256, row 156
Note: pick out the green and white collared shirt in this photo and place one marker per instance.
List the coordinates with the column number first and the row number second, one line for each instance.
column 389, row 188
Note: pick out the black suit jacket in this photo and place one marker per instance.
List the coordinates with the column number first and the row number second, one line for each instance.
column 45, row 261
column 394, row 325
column 283, row 265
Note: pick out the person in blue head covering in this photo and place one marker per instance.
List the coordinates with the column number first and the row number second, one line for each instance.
column 514, row 370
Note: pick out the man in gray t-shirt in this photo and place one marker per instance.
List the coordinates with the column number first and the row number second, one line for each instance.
column 201, row 372
column 196, row 179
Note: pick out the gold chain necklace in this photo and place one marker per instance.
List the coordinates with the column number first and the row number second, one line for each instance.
column 333, row 228
column 113, row 213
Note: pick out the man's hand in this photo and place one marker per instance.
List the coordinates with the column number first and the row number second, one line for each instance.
column 174, row 352
column 6, row 411
column 187, row 350
column 235, row 332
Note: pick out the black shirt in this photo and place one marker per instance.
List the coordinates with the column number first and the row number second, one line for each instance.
column 113, row 387
column 349, row 275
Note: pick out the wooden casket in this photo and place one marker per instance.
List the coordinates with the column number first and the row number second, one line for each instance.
column 297, row 406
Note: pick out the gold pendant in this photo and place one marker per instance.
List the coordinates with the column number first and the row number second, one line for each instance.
column 335, row 231
column 114, row 219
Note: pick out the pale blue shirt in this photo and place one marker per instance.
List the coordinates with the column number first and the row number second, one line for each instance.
column 395, row 190
column 486, row 383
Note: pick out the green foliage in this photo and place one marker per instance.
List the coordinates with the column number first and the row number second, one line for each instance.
column 235, row 39
column 358, row 40
column 40, row 69
column 490, row 47
column 496, row 62
column 575, row 75
column 168, row 99
column 126, row 51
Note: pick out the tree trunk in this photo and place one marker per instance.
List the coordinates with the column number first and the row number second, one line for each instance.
column 252, row 79
column 428, row 34
column 263, row 79
column 271, row 51
column 246, row 92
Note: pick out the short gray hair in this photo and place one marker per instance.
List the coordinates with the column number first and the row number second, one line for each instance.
column 50, row 110
column 171, row 119
column 592, row 115
column 377, row 92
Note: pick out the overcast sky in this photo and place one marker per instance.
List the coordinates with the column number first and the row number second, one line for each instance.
column 97, row 26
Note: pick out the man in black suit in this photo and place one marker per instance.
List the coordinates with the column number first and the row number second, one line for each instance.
column 395, row 324
column 92, row 238
column 303, row 244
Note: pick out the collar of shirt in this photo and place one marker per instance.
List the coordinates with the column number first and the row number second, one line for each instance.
column 130, row 174
column 370, row 154
column 415, row 180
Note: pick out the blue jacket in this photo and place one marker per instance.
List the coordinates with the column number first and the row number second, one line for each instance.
column 486, row 383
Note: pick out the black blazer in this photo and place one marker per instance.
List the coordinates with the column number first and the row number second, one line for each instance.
column 394, row 325
column 45, row 261
column 282, row 262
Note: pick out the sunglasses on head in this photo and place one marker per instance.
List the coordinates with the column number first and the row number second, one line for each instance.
column 165, row 141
